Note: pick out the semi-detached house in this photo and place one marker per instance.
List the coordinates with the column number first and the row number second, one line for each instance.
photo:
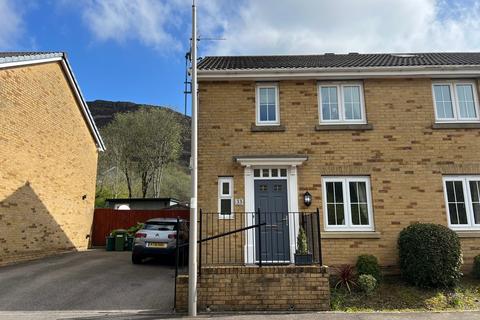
column 380, row 141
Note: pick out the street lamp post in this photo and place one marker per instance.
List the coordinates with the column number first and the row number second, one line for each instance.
column 192, row 261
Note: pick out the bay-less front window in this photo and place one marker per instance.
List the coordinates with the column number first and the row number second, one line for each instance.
column 347, row 204
column 455, row 101
column 267, row 105
column 225, row 197
column 462, row 197
column 341, row 103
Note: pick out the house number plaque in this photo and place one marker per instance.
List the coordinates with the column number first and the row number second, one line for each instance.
column 239, row 201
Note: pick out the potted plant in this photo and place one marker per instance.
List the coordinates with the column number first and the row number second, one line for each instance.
column 302, row 256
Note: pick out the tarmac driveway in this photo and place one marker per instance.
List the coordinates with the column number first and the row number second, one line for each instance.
column 92, row 280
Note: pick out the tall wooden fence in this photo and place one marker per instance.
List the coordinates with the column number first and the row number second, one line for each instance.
column 106, row 220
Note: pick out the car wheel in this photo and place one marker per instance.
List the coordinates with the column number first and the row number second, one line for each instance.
column 136, row 259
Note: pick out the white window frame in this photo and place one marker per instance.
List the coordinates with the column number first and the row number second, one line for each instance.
column 221, row 196
column 346, row 204
column 470, row 226
column 258, row 122
column 341, row 104
column 452, row 85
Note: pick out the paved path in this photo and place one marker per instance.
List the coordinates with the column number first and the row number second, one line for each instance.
column 151, row 315
column 92, row 280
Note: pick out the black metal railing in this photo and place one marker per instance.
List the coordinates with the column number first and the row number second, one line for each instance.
column 250, row 238
column 256, row 237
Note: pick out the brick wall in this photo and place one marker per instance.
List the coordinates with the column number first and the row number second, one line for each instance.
column 404, row 157
column 48, row 161
column 251, row 288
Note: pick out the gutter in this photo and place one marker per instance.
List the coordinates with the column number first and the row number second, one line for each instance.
column 469, row 71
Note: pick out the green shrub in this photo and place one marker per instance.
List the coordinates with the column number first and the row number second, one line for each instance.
column 476, row 267
column 368, row 264
column 430, row 255
column 133, row 229
column 302, row 242
column 367, row 283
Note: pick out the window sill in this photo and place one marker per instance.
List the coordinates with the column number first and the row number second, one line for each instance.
column 350, row 235
column 457, row 125
column 339, row 127
column 268, row 128
column 468, row 234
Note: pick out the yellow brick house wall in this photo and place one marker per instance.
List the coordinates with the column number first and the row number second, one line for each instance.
column 48, row 162
column 404, row 157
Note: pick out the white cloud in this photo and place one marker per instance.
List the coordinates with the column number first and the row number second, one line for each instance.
column 290, row 26
column 151, row 22
column 11, row 25
column 302, row 26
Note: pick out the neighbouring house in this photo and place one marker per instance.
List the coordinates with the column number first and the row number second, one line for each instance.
column 48, row 159
column 379, row 141
column 141, row 203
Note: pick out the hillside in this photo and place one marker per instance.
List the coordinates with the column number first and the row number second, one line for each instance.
column 103, row 112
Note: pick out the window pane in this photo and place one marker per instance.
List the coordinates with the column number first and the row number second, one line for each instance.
column 475, row 193
column 329, row 103
column 443, row 101
column 335, row 214
column 355, row 214
column 225, row 188
column 271, row 95
column 351, row 96
column 330, row 196
column 450, row 191
column 358, row 202
column 265, row 173
column 476, row 213
column 271, row 113
column 452, row 209
column 459, row 197
column 263, row 95
column 462, row 213
column 331, row 214
column 268, row 102
column 256, row 172
column 263, row 112
column 274, row 172
column 364, row 214
column 465, row 101
column 283, row 172
column 338, row 192
column 226, row 206
column 456, row 202
column 340, row 214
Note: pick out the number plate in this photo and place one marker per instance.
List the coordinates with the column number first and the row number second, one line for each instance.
column 156, row 245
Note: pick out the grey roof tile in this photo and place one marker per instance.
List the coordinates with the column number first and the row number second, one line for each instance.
column 330, row 60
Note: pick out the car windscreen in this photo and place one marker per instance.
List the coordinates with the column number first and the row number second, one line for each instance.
column 160, row 226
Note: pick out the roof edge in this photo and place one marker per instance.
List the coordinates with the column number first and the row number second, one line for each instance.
column 16, row 61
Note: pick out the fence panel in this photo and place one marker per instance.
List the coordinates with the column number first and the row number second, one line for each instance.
column 106, row 220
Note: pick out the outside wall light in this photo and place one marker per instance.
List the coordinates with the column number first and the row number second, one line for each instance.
column 307, row 198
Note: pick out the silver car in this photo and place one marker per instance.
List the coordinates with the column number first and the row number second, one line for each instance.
column 159, row 237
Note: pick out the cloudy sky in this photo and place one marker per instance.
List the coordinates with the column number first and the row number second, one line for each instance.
column 133, row 50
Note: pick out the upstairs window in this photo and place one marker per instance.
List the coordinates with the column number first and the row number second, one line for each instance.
column 267, row 105
column 225, row 197
column 462, row 197
column 347, row 204
column 341, row 103
column 455, row 101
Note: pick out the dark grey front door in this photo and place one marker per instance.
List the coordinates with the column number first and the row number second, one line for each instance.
column 271, row 200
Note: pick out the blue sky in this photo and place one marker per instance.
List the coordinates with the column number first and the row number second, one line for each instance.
column 133, row 50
